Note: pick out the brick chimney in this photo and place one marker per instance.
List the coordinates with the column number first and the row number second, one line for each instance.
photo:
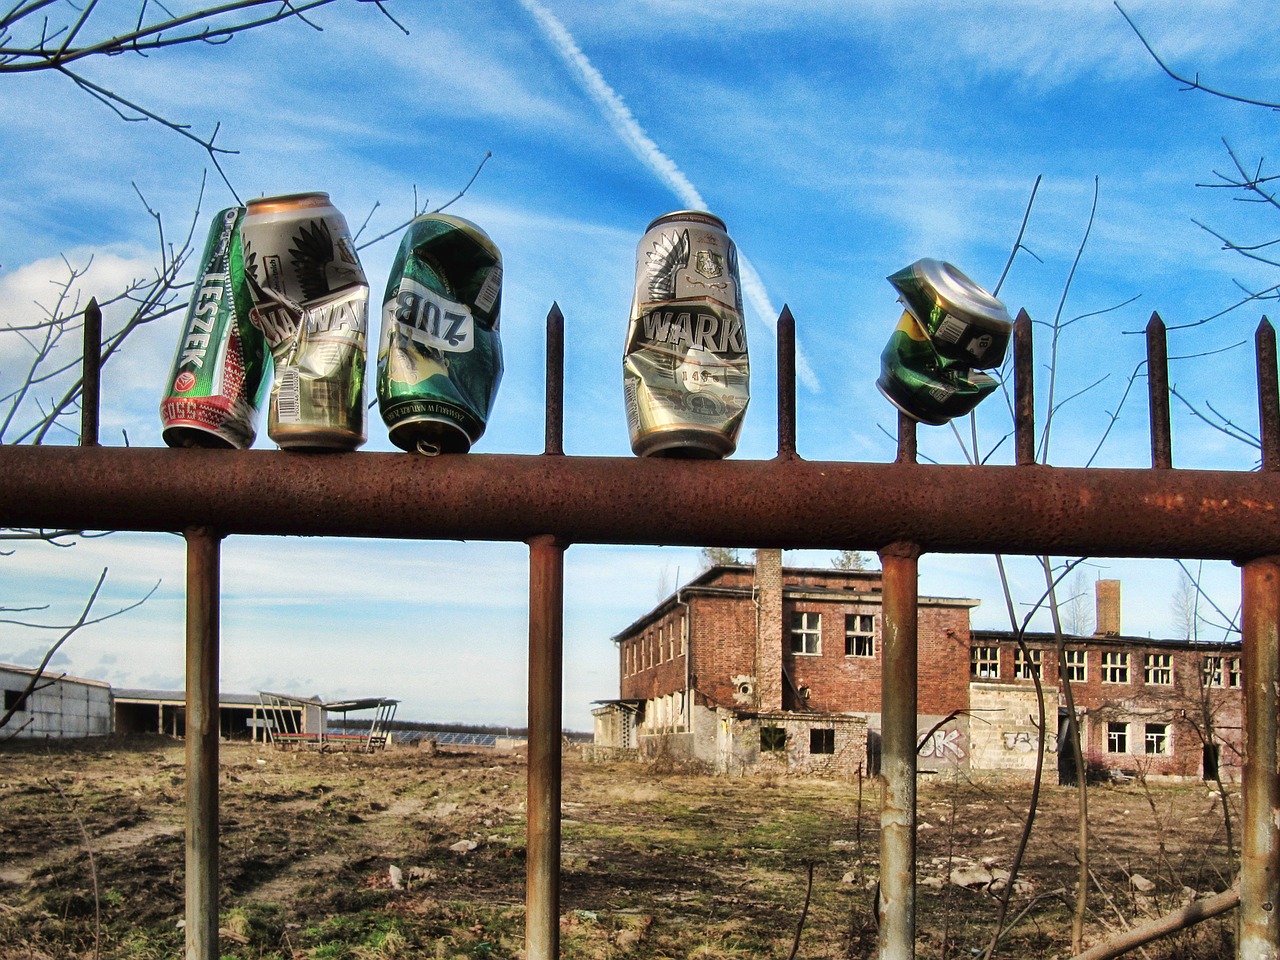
column 1107, row 593
column 768, row 588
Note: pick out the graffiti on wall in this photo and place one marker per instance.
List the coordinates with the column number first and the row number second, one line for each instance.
column 945, row 745
column 1024, row 741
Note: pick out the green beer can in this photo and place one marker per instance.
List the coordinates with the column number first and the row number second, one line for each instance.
column 439, row 355
column 921, row 383
column 966, row 324
column 221, row 368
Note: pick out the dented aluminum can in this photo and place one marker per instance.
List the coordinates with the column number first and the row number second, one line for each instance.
column 311, row 301
column 685, row 367
column 439, row 353
column 966, row 324
column 923, row 385
column 222, row 364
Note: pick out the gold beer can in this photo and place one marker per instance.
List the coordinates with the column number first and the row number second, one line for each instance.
column 685, row 369
column 311, row 301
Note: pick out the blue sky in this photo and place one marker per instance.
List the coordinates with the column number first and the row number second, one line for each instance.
column 838, row 142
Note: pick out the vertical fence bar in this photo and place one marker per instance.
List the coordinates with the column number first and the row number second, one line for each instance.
column 1024, row 391
column 1158, row 393
column 906, row 439
column 786, row 384
column 91, row 374
column 546, row 663
column 203, row 588
column 555, row 382
column 900, row 563
column 1268, row 395
column 1259, row 931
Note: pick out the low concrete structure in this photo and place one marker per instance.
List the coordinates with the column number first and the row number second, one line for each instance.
column 58, row 706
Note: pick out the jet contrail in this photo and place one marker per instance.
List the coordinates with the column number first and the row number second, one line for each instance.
column 624, row 123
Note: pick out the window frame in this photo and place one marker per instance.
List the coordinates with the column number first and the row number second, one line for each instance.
column 1029, row 666
column 822, row 741
column 859, row 636
column 773, row 739
column 978, row 661
column 1162, row 733
column 1115, row 666
column 1071, row 668
column 1117, row 734
column 802, row 632
column 1152, row 671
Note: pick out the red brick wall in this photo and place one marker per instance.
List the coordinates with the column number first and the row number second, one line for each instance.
column 1183, row 705
column 723, row 640
column 840, row 683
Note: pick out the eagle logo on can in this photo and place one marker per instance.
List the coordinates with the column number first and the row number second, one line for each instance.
column 709, row 264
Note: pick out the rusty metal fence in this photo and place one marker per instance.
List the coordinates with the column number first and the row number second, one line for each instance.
column 551, row 501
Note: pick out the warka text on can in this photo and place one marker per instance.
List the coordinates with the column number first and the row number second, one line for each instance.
column 222, row 365
column 439, row 352
column 311, row 300
column 685, row 367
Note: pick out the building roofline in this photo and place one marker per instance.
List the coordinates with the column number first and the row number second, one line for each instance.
column 55, row 675
column 1123, row 641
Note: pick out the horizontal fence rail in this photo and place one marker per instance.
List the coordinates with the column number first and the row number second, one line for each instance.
column 550, row 501
column 788, row 503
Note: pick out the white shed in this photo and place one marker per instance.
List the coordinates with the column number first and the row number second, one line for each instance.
column 59, row 706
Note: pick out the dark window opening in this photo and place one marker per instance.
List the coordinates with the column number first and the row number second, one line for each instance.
column 822, row 740
column 14, row 700
column 773, row 739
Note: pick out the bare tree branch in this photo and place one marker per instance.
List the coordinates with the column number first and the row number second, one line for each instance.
column 1192, row 83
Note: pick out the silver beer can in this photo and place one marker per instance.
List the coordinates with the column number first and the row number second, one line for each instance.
column 311, row 301
column 685, row 369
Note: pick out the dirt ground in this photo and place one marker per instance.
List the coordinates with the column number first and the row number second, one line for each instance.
column 409, row 854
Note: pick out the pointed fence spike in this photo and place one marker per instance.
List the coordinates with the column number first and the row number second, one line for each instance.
column 91, row 374
column 1024, row 391
column 1268, row 395
column 554, row 443
column 1158, row 393
column 786, row 384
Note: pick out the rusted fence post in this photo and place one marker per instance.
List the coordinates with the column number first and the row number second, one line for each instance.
column 203, row 587
column 900, row 563
column 91, row 374
column 546, row 661
column 1259, row 937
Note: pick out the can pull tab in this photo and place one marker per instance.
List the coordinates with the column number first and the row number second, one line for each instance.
column 428, row 449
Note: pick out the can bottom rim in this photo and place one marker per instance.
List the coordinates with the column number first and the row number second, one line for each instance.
column 199, row 436
column 429, row 436
column 684, row 443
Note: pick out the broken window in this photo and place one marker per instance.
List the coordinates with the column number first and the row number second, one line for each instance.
column 822, row 740
column 806, row 633
column 1077, row 666
column 1115, row 667
column 773, row 739
column 1221, row 671
column 1157, row 668
column 1117, row 737
column 1158, row 738
column 14, row 700
column 859, row 635
column 1026, row 664
column 984, row 663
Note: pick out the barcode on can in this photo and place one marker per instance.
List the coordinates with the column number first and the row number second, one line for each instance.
column 288, row 401
column 633, row 406
column 489, row 291
column 951, row 329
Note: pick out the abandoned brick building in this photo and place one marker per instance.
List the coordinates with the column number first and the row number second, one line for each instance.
column 750, row 665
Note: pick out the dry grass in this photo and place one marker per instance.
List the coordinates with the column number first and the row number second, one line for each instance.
column 654, row 865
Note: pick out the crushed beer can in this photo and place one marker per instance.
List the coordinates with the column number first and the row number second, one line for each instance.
column 311, row 301
column 966, row 324
column 685, row 367
column 439, row 353
column 221, row 366
column 923, row 385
